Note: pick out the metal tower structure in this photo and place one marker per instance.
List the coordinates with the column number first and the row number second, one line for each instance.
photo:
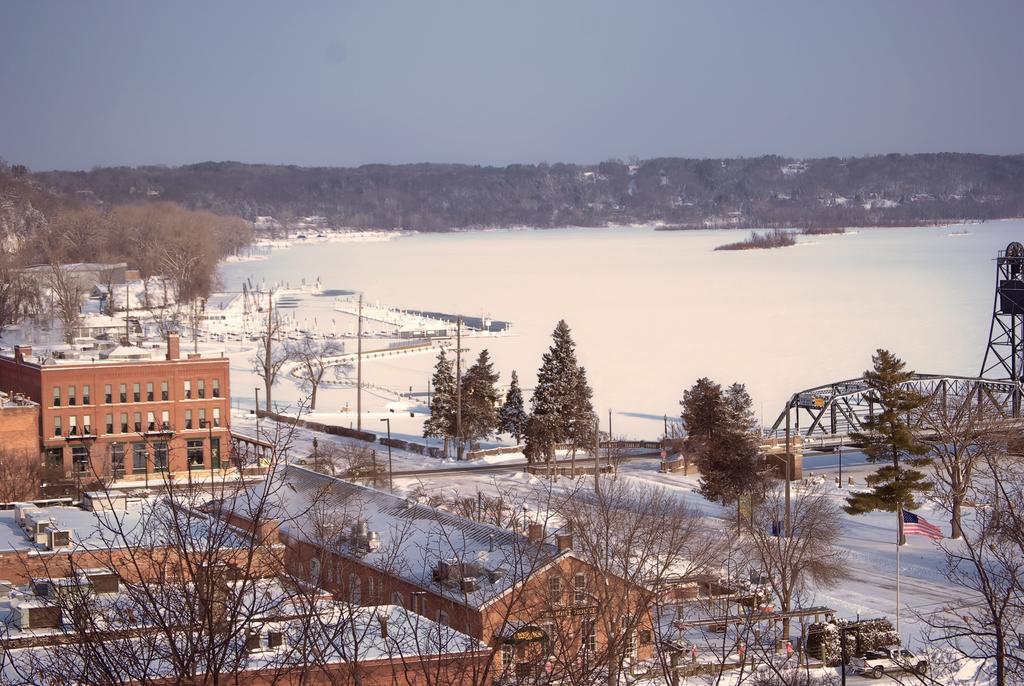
column 1004, row 356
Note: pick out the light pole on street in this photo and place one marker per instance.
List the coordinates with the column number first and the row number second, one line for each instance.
column 391, row 471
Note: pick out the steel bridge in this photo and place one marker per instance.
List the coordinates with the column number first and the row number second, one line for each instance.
column 825, row 416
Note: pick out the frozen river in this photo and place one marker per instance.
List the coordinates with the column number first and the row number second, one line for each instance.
column 651, row 311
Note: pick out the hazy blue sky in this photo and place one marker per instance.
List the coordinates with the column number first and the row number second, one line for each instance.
column 101, row 83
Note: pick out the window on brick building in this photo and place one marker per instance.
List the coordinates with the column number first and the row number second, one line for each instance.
column 57, row 428
column 508, row 655
column 149, row 392
column 117, row 459
column 110, row 423
column 72, row 396
column 72, row 425
column 139, row 458
column 396, row 599
column 151, row 422
column 80, row 459
column 136, row 392
column 108, row 394
column 165, row 420
column 579, row 588
column 216, row 388
column 188, row 390
column 202, row 417
column 87, row 425
column 55, row 458
column 86, row 396
column 355, row 591
column 124, row 422
column 137, row 423
column 56, row 396
column 122, row 393
column 194, row 450
column 201, row 388
column 188, row 419
column 555, row 590
column 160, row 456
column 216, row 417
column 165, row 392
column 589, row 631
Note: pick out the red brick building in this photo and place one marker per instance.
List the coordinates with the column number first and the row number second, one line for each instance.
column 19, row 423
column 525, row 594
column 126, row 412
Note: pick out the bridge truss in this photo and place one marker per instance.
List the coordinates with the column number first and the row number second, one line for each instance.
column 829, row 413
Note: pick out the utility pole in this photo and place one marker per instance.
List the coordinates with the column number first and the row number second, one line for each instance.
column 458, row 384
column 597, row 454
column 127, row 311
column 359, row 367
column 789, row 457
column 391, row 469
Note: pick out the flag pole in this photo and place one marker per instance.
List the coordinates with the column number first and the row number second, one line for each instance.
column 898, row 571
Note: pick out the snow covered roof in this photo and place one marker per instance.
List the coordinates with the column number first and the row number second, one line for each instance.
column 478, row 562
column 135, row 521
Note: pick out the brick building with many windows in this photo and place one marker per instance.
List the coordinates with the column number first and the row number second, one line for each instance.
column 125, row 412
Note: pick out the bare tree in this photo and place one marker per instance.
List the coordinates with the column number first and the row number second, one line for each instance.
column 313, row 361
column 965, row 435
column 270, row 354
column 18, row 292
column 808, row 556
column 636, row 539
column 988, row 563
column 22, row 475
column 68, row 291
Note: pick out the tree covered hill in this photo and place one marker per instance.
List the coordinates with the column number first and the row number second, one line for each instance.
column 767, row 191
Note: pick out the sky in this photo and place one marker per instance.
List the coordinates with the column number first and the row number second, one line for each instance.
column 99, row 83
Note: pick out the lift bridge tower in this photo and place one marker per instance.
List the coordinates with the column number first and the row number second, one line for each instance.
column 1004, row 356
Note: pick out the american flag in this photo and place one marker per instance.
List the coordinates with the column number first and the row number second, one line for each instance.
column 915, row 524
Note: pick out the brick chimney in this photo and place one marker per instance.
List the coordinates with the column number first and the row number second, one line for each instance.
column 21, row 352
column 173, row 346
column 564, row 542
column 536, row 532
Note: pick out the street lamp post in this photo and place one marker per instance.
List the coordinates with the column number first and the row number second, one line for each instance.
column 391, row 483
column 257, row 412
column 840, row 462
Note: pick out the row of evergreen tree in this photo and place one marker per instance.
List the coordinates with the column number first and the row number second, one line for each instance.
column 561, row 409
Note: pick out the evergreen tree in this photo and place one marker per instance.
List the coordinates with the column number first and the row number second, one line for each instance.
column 512, row 417
column 703, row 408
column 562, row 396
column 887, row 437
column 721, row 432
column 441, row 423
column 479, row 399
column 541, row 438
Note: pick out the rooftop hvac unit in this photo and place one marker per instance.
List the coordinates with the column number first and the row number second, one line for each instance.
column 275, row 639
column 373, row 541
column 469, row 584
column 37, row 615
column 58, row 538
column 36, row 524
column 20, row 510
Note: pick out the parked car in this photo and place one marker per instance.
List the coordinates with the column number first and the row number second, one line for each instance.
column 875, row 663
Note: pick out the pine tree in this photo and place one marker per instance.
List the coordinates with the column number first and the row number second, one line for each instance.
column 562, row 396
column 512, row 417
column 887, row 437
column 721, row 432
column 479, row 399
column 441, row 423
column 703, row 408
